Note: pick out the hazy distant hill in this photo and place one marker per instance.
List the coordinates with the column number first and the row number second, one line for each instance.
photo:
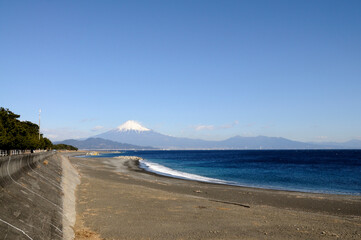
column 101, row 144
column 352, row 144
column 262, row 142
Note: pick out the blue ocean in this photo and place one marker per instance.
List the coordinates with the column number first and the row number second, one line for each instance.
column 318, row 171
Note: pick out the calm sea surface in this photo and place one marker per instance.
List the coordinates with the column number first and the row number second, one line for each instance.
column 321, row 171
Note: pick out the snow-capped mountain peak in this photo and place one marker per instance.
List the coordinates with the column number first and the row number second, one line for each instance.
column 132, row 126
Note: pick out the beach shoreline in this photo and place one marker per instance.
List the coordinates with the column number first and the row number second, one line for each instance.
column 134, row 164
column 135, row 194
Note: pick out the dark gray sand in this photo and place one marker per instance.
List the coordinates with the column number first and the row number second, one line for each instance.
column 125, row 202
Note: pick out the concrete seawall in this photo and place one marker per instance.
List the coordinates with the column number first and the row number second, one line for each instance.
column 70, row 181
column 32, row 196
column 14, row 165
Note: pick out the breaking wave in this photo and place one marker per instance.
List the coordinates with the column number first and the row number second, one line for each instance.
column 165, row 171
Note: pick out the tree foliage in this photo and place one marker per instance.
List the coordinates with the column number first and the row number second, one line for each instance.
column 64, row 147
column 16, row 134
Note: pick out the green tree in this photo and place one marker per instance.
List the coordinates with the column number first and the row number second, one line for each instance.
column 9, row 123
column 64, row 147
column 15, row 134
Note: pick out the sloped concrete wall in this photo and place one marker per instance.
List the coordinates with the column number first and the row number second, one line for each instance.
column 31, row 205
column 12, row 165
column 70, row 181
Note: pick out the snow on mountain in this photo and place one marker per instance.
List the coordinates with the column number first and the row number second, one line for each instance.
column 132, row 132
column 132, row 126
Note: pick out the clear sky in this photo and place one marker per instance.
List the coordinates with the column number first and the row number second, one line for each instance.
column 200, row 69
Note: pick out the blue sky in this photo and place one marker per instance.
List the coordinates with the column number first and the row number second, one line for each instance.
column 200, row 69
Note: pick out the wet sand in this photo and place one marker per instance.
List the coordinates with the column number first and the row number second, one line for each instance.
column 117, row 200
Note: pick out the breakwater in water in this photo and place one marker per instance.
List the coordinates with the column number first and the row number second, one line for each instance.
column 32, row 196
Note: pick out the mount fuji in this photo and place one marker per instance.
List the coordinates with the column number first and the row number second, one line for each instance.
column 132, row 132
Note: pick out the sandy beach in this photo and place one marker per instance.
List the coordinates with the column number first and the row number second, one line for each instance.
column 117, row 200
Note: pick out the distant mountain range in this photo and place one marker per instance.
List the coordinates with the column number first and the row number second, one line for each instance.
column 132, row 135
column 352, row 144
